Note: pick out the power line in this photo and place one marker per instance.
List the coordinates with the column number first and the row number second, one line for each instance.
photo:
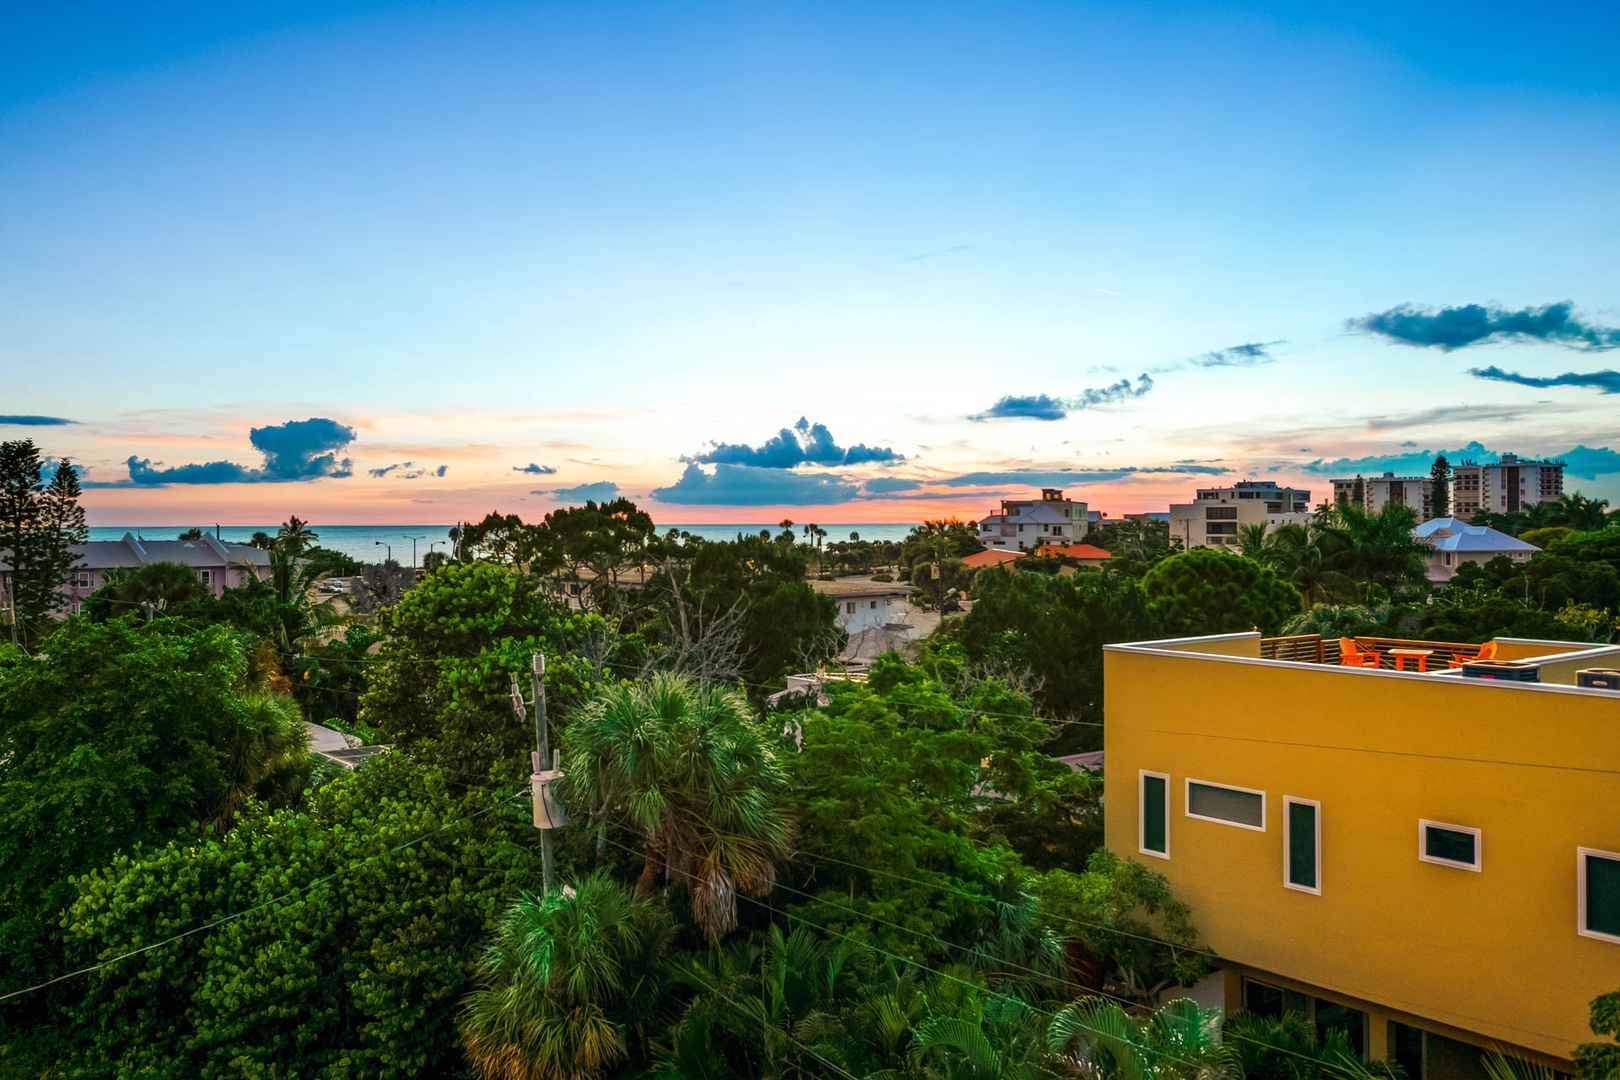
column 257, row 907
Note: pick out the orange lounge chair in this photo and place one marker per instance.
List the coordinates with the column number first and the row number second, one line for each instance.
column 1487, row 651
column 1351, row 656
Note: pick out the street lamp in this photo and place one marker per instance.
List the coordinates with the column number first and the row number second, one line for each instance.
column 435, row 544
column 413, row 540
column 390, row 548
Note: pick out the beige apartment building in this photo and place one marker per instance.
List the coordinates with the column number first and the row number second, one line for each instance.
column 1381, row 491
column 1214, row 517
column 1509, row 485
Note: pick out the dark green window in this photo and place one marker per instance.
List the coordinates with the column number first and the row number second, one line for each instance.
column 1304, row 858
column 1155, row 813
column 1453, row 845
column 1600, row 899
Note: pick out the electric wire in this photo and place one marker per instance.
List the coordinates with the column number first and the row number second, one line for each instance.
column 215, row 923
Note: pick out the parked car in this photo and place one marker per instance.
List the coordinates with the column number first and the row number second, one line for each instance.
column 333, row 585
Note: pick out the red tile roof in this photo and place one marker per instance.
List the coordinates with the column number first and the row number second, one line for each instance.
column 1072, row 551
column 990, row 557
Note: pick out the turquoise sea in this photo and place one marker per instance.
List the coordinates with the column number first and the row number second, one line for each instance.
column 372, row 543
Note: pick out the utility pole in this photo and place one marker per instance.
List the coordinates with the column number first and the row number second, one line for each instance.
column 548, row 811
column 413, row 540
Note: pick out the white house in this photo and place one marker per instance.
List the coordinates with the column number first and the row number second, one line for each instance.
column 1454, row 542
column 865, row 609
column 1024, row 524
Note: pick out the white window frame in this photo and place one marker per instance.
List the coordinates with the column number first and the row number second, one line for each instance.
column 1288, row 830
column 1476, row 866
column 1581, row 854
column 1141, row 816
column 1187, row 794
column 207, row 575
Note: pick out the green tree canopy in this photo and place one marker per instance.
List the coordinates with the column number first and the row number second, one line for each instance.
column 1045, row 633
column 348, row 935
column 1210, row 592
column 454, row 644
column 121, row 735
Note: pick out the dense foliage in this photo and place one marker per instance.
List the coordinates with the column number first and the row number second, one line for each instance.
column 345, row 935
column 1210, row 592
column 120, row 736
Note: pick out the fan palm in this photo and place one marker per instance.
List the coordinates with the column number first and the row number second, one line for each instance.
column 689, row 769
column 1104, row 1042
column 567, row 984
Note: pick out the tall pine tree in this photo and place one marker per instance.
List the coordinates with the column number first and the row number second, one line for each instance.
column 1440, row 487
column 40, row 521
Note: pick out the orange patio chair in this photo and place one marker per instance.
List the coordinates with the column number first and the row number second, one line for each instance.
column 1351, row 656
column 1487, row 651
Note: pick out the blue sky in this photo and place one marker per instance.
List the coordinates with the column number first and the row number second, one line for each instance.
column 999, row 241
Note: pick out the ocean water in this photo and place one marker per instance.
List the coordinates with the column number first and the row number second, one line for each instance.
column 372, row 543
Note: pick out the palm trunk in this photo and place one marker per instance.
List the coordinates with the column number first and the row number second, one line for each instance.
column 652, row 868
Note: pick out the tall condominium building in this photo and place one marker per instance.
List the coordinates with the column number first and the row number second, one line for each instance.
column 1511, row 484
column 1381, row 491
column 1213, row 519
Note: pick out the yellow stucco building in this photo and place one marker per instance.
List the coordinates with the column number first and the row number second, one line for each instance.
column 1428, row 862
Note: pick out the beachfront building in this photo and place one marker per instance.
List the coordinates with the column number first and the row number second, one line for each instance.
column 1024, row 524
column 1511, row 484
column 1214, row 517
column 1453, row 542
column 1387, row 489
column 219, row 565
column 1427, row 862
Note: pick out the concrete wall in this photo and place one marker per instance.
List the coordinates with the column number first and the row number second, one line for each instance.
column 1537, row 768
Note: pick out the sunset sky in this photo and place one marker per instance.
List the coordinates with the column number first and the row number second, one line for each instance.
column 379, row 262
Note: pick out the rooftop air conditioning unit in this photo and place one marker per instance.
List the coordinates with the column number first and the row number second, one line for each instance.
column 1599, row 678
column 1505, row 670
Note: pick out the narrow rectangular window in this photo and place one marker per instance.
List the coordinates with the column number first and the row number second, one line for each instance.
column 1449, row 845
column 1599, row 894
column 1243, row 807
column 1302, row 844
column 1154, row 800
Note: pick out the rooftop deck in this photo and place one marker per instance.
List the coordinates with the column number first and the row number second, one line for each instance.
column 1558, row 661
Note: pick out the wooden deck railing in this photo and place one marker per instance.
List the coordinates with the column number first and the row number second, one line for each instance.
column 1315, row 649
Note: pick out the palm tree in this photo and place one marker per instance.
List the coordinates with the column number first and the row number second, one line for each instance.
column 1295, row 553
column 786, row 525
column 296, row 535
column 267, row 747
column 1579, row 512
column 160, row 584
column 1180, row 1040
column 772, row 1003
column 689, row 769
column 300, row 611
column 1252, row 541
column 1375, row 549
column 568, row 984
column 982, row 1037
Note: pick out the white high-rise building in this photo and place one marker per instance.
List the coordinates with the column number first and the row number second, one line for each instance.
column 1213, row 519
column 1509, row 485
